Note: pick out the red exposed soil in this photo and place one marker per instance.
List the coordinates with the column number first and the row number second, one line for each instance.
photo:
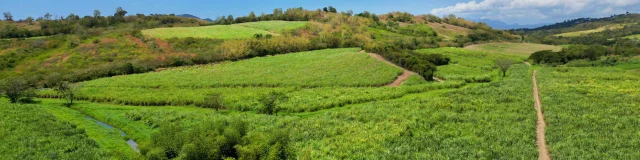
column 137, row 41
column 163, row 45
column 543, row 153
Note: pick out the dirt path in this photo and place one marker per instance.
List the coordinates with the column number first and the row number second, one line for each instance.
column 438, row 79
column 543, row 153
column 528, row 64
column 405, row 75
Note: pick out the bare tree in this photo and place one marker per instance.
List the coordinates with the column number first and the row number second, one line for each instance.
column 67, row 91
column 8, row 16
column 504, row 65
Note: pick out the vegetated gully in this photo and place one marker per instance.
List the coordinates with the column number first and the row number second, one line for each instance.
column 133, row 144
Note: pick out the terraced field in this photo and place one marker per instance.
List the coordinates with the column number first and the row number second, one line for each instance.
column 236, row 31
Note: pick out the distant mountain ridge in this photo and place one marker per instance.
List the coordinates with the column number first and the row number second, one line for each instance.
column 196, row 17
column 504, row 26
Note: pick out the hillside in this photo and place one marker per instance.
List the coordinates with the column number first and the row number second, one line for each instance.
column 316, row 84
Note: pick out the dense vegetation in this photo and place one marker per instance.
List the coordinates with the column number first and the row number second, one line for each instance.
column 591, row 111
column 392, row 128
column 29, row 132
column 581, row 55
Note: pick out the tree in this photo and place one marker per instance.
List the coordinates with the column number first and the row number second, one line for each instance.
column 504, row 65
column 120, row 12
column 333, row 10
column 30, row 20
column 252, row 17
column 96, row 13
column 271, row 102
column 213, row 100
column 48, row 16
column 8, row 16
column 67, row 91
column 16, row 89
column 230, row 19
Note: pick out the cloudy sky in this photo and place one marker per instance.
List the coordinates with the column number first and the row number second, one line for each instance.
column 509, row 11
column 537, row 11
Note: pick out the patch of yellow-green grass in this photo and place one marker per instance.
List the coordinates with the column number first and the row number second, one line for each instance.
column 216, row 32
column 600, row 29
column 636, row 37
column 274, row 26
column 516, row 49
column 448, row 31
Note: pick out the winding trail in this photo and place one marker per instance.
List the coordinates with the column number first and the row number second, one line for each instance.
column 528, row 64
column 543, row 153
column 403, row 77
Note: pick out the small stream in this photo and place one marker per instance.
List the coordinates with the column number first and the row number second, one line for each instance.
column 131, row 143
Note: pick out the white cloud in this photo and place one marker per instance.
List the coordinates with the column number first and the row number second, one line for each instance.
column 536, row 11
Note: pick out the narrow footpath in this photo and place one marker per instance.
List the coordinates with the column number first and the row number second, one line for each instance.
column 543, row 153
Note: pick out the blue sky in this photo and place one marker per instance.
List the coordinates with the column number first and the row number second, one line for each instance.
column 510, row 11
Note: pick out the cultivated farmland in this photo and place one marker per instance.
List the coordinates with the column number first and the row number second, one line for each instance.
column 237, row 31
column 515, row 49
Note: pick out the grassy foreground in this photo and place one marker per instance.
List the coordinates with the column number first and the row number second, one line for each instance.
column 491, row 121
column 591, row 112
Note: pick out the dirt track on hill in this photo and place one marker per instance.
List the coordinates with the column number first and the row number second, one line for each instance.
column 405, row 75
column 543, row 153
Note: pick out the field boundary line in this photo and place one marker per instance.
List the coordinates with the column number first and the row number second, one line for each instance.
column 543, row 153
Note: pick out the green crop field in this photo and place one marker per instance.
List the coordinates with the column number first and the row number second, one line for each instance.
column 428, row 125
column 515, row 49
column 468, row 65
column 331, row 67
column 274, row 26
column 29, row 132
column 579, row 33
column 340, row 77
column 591, row 112
column 236, row 31
column 216, row 32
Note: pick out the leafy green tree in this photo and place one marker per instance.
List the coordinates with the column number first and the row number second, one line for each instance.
column 270, row 102
column 96, row 13
column 504, row 65
column 30, row 20
column 213, row 100
column 230, row 19
column 15, row 89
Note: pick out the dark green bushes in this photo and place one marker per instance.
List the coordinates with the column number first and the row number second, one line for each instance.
column 573, row 52
column 217, row 139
